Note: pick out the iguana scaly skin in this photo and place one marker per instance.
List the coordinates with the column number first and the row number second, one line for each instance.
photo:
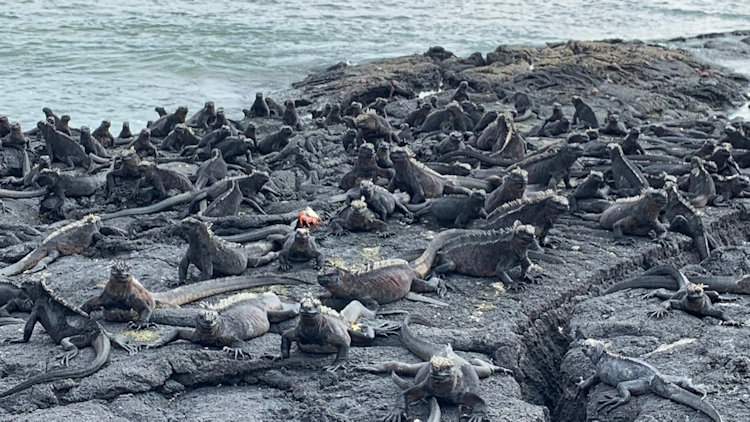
column 68, row 240
column 684, row 218
column 67, row 186
column 635, row 376
column 443, row 375
column 69, row 327
column 228, row 326
column 212, row 255
column 540, row 210
column 635, row 216
column 418, row 180
column 513, row 188
column 553, row 164
column 663, row 277
column 13, row 299
column 629, row 179
column 323, row 330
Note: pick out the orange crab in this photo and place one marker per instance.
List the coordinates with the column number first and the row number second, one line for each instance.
column 308, row 218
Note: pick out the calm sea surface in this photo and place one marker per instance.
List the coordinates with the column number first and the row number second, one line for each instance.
column 116, row 60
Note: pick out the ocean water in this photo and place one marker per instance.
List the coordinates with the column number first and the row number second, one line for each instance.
column 117, row 60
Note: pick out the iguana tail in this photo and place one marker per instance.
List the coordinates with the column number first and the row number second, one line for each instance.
column 675, row 393
column 661, row 276
column 204, row 289
column 17, row 194
column 102, row 346
column 28, row 261
column 416, row 345
column 10, row 321
column 422, row 265
column 159, row 206
column 258, row 234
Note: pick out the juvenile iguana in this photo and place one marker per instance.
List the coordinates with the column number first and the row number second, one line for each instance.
column 635, row 376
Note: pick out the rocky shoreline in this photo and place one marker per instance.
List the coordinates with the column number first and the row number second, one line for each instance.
column 536, row 333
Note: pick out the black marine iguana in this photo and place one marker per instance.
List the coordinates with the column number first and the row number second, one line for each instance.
column 635, row 376
column 443, row 374
column 69, row 327
column 323, row 330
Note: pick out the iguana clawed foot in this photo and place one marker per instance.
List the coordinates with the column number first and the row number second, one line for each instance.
column 141, row 325
column 397, row 415
column 386, row 234
column 731, row 323
column 285, row 267
column 334, row 367
column 625, row 241
column 659, row 313
column 517, row 287
column 65, row 357
column 474, row 417
column 609, row 402
column 387, row 328
column 236, row 352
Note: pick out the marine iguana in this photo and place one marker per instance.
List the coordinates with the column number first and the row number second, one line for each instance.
column 105, row 138
column 662, row 277
column 551, row 165
column 211, row 170
column 372, row 126
column 591, row 187
column 228, row 203
column 692, row 299
column 143, row 146
column 456, row 210
column 290, row 116
column 259, row 107
column 442, row 119
column 629, row 179
column 512, row 188
column 419, row 181
column 276, row 141
column 365, row 168
column 13, row 299
column 684, row 218
column 443, row 375
column 323, row 330
column 91, row 145
column 736, row 186
column 378, row 199
column 123, row 292
column 613, row 127
column 540, row 210
column 233, row 321
column 162, row 180
column 636, row 215
column 584, row 114
column 630, row 145
column 487, row 253
column 62, row 148
column 167, row 122
column 69, row 327
column 68, row 186
column 179, row 137
column 70, row 239
column 701, row 188
column 357, row 217
column 204, row 118
column 502, row 138
column 417, row 117
column 635, row 376
column 63, row 125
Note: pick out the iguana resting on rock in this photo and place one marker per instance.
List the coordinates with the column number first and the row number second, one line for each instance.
column 68, row 186
column 13, row 299
column 357, row 217
column 540, row 210
column 69, row 327
column 551, row 165
column 443, row 375
column 692, row 299
column 70, row 239
column 629, row 179
column 232, row 322
column 634, row 216
column 456, row 210
column 419, row 181
column 323, row 330
column 684, row 218
column 592, row 187
column 664, row 277
column 487, row 253
column 162, row 180
column 635, row 376
column 212, row 255
column 62, row 148
column 512, row 188
column 701, row 188
column 366, row 168
column 378, row 199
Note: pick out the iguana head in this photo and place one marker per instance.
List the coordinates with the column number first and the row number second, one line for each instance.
column 366, row 188
column 695, row 291
column 593, row 349
column 302, row 235
column 207, row 321
column 119, row 271
column 144, row 135
column 209, row 106
column 399, row 155
column 615, row 150
column 47, row 177
column 310, row 307
column 518, row 177
column 558, row 204
column 193, row 227
column 366, row 151
column 523, row 233
column 329, row 279
column 656, row 197
column 596, row 177
column 444, row 373
column 181, row 113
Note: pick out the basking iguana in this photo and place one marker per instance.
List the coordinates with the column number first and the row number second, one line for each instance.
column 70, row 239
column 634, row 216
column 443, row 374
column 635, row 376
column 233, row 321
column 69, row 327
column 13, row 299
column 662, row 277
column 323, row 330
